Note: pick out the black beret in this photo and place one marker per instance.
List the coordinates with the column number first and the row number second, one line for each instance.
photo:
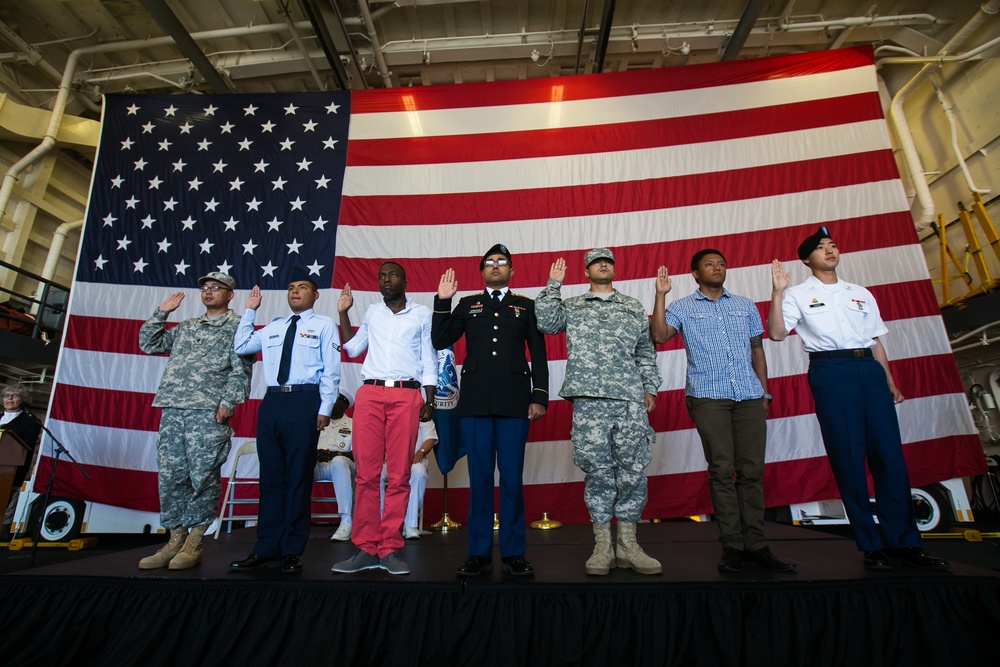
column 498, row 249
column 806, row 247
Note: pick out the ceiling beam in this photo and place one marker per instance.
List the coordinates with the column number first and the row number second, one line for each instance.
column 743, row 28
column 607, row 19
column 186, row 44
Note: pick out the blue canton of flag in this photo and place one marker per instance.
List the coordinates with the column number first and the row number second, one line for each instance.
column 244, row 184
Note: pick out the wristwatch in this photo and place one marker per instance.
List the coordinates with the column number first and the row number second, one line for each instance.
column 768, row 397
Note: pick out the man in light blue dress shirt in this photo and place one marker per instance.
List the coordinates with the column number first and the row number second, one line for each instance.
column 726, row 397
column 301, row 354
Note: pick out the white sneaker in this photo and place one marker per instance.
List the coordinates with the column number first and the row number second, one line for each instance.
column 343, row 533
column 410, row 533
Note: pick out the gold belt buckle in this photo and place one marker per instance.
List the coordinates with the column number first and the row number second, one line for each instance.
column 285, row 389
column 859, row 354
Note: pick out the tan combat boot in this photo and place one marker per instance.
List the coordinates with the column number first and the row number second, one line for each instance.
column 630, row 554
column 168, row 551
column 603, row 558
column 190, row 554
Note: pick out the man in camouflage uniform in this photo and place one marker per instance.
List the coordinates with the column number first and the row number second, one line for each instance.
column 204, row 380
column 612, row 380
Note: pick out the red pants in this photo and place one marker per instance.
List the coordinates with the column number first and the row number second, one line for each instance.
column 385, row 429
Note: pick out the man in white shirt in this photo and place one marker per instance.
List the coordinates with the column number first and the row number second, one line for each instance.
column 401, row 360
column 855, row 395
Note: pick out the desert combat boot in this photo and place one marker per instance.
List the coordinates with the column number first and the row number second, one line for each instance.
column 190, row 553
column 160, row 559
column 603, row 558
column 630, row 554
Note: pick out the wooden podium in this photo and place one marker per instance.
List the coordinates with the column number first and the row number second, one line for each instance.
column 13, row 453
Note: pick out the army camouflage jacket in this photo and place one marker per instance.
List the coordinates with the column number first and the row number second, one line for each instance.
column 609, row 353
column 203, row 371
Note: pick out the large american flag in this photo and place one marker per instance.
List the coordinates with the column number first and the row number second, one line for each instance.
column 747, row 157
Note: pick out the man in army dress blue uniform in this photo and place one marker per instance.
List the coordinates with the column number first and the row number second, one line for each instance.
column 204, row 380
column 500, row 396
column 612, row 380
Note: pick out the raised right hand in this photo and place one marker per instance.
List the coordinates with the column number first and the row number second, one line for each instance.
column 345, row 301
column 779, row 279
column 253, row 300
column 663, row 282
column 171, row 303
column 558, row 270
column 448, row 286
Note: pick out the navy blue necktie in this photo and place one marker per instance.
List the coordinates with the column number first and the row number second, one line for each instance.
column 497, row 294
column 286, row 351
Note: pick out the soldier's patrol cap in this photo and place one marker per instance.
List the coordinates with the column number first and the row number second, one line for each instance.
column 218, row 277
column 300, row 275
column 596, row 254
column 498, row 249
column 806, row 247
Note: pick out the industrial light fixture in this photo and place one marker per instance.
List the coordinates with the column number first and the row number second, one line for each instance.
column 535, row 55
column 668, row 50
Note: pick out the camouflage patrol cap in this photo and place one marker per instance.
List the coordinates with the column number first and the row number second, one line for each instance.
column 218, row 277
column 596, row 254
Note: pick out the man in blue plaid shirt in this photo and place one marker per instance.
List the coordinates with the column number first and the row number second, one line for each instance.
column 727, row 398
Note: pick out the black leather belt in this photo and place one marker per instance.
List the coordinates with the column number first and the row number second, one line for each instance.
column 405, row 384
column 287, row 388
column 841, row 354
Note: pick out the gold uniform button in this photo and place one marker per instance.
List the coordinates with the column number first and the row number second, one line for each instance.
column 494, row 353
column 496, row 327
column 496, row 314
column 494, row 340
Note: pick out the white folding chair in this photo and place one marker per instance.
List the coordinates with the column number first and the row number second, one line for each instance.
column 229, row 499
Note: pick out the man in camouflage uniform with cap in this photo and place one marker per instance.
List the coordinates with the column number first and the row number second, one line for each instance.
column 612, row 381
column 203, row 382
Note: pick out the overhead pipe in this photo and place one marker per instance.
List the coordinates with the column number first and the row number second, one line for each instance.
column 383, row 69
column 948, row 113
column 897, row 118
column 863, row 22
column 36, row 59
column 59, row 106
column 55, row 250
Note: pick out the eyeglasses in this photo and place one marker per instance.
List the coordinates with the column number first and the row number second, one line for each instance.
column 6, row 396
column 212, row 288
column 496, row 262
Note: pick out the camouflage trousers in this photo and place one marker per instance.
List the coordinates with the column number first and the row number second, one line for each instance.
column 611, row 442
column 190, row 450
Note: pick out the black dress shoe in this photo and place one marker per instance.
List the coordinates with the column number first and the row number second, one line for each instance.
column 731, row 561
column 915, row 557
column 876, row 560
column 764, row 558
column 291, row 565
column 252, row 562
column 517, row 566
column 474, row 566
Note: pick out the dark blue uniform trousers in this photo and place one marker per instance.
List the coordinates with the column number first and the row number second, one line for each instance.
column 495, row 443
column 286, row 447
column 857, row 417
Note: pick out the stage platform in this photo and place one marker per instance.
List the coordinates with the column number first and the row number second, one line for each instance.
column 104, row 611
